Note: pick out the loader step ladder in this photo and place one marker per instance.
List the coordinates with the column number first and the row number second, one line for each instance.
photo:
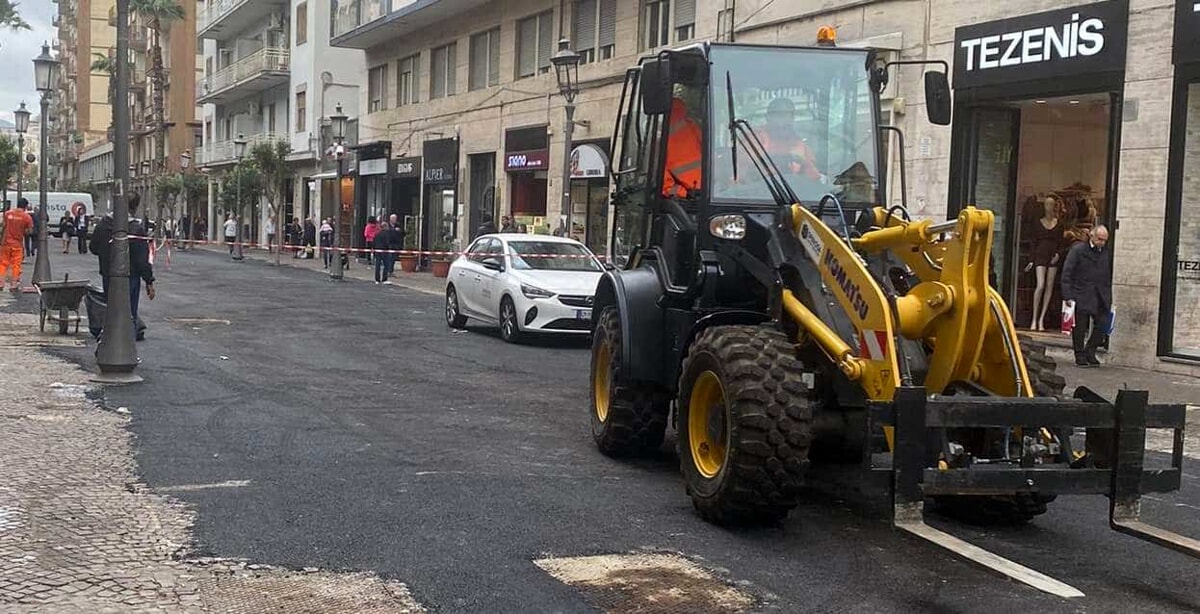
column 1116, row 431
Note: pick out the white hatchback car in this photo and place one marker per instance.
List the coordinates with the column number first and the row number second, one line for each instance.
column 524, row 283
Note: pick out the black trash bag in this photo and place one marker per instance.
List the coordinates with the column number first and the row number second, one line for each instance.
column 97, row 306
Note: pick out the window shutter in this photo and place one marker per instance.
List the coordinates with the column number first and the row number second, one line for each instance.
column 451, row 68
column 545, row 47
column 526, row 47
column 608, row 22
column 685, row 12
column 479, row 61
column 416, row 78
column 437, row 70
column 585, row 25
column 494, row 57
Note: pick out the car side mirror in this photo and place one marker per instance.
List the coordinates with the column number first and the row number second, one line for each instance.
column 608, row 266
column 937, row 98
column 492, row 263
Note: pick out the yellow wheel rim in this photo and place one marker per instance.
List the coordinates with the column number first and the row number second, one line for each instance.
column 708, row 431
column 601, row 376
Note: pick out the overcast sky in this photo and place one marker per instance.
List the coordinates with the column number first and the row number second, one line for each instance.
column 17, row 50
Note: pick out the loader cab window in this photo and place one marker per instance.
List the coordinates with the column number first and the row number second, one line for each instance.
column 635, row 141
column 812, row 110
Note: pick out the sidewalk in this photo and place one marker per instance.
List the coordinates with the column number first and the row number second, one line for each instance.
column 80, row 533
column 421, row 282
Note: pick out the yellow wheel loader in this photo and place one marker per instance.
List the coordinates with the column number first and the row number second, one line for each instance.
column 787, row 325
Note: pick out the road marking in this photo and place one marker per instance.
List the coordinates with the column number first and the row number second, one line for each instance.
column 646, row 583
column 193, row 487
column 198, row 321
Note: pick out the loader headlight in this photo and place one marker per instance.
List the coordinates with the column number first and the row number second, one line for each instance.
column 727, row 227
column 535, row 292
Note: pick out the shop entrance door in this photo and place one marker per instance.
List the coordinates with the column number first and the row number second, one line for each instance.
column 991, row 181
column 483, row 181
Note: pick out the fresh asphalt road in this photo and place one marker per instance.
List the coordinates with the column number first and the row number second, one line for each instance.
column 370, row 437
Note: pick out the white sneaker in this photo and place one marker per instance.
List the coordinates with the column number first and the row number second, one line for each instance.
column 387, row 283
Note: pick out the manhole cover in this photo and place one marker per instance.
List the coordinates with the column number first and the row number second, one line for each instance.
column 647, row 584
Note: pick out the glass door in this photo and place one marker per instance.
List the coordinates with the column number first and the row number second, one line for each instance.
column 992, row 182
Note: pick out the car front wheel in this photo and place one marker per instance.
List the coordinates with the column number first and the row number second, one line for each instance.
column 454, row 317
column 510, row 329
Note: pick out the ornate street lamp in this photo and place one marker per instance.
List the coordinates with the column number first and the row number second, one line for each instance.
column 22, row 118
column 45, row 73
column 566, row 69
column 337, row 125
column 239, row 150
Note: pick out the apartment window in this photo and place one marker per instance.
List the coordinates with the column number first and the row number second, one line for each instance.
column 656, row 23
column 377, row 88
column 301, row 23
column 271, row 118
column 485, row 60
column 301, row 110
column 441, row 70
column 407, row 78
column 535, row 44
column 595, row 29
column 685, row 19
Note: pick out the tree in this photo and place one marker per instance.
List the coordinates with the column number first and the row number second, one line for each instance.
column 159, row 14
column 10, row 18
column 195, row 189
column 8, row 162
column 271, row 160
column 244, row 179
column 167, row 188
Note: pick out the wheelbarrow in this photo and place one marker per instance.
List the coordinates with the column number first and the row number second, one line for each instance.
column 59, row 302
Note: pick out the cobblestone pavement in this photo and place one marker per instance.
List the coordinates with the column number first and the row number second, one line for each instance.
column 79, row 533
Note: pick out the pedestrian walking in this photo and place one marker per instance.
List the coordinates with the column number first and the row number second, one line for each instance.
column 370, row 231
column 1087, row 283
column 230, row 232
column 140, row 269
column 326, row 242
column 185, row 231
column 17, row 226
column 31, row 238
column 381, row 245
column 486, row 228
column 81, row 231
column 310, row 239
column 270, row 228
column 66, row 228
column 507, row 225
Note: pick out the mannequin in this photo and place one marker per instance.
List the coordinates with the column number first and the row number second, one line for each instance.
column 1047, row 239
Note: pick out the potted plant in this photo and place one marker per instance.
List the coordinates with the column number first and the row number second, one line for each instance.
column 439, row 262
column 408, row 260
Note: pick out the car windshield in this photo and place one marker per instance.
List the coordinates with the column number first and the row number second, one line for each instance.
column 812, row 109
column 551, row 256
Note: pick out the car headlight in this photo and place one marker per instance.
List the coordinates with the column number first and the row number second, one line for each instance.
column 535, row 292
column 727, row 227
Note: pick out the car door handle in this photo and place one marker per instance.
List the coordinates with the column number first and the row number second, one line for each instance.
column 462, row 273
column 479, row 278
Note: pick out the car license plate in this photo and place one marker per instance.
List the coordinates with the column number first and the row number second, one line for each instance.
column 583, row 314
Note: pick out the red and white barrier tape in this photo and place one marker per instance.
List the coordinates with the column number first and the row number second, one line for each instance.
column 350, row 250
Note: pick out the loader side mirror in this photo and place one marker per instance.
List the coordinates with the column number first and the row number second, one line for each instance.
column 937, row 98
column 655, row 86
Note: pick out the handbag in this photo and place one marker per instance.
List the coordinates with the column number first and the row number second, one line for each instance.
column 1068, row 317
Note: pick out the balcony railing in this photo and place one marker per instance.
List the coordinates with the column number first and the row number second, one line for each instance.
column 265, row 60
column 215, row 10
column 223, row 151
column 351, row 14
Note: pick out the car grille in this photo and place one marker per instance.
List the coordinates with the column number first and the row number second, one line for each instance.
column 575, row 300
column 568, row 324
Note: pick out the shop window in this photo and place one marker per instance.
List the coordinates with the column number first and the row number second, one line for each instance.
column 1183, row 270
column 441, row 68
column 535, row 44
column 407, row 78
column 595, row 29
column 485, row 60
column 377, row 88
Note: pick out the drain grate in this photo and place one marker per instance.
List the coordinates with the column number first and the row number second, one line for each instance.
column 647, row 584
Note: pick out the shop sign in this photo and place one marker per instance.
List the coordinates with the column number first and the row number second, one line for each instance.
column 1067, row 42
column 378, row 166
column 406, row 168
column 1187, row 32
column 535, row 160
column 1189, row 270
column 441, row 161
column 588, row 161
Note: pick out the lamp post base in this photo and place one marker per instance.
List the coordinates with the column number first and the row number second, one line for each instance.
column 116, row 378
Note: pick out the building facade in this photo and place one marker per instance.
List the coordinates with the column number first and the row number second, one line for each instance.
column 271, row 75
column 82, row 108
column 1076, row 104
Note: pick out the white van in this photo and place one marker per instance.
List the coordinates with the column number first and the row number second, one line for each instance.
column 70, row 203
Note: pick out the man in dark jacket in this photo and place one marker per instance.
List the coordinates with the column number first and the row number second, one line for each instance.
column 140, row 269
column 488, row 227
column 1087, row 280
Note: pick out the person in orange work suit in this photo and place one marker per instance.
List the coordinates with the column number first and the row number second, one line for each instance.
column 682, row 176
column 785, row 147
column 18, row 224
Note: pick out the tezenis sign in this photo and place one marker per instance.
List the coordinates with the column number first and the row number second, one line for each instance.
column 1072, row 41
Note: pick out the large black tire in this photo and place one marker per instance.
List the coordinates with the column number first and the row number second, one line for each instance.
column 627, row 419
column 745, row 464
column 1020, row 508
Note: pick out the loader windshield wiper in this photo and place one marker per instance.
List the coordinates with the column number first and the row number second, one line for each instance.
column 741, row 131
column 732, row 125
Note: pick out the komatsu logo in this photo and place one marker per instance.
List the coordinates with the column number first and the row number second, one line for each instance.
column 849, row 288
column 1071, row 39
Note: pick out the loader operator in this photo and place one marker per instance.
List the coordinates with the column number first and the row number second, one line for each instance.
column 786, row 147
column 682, row 177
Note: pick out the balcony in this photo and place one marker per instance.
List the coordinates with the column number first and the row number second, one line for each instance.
column 362, row 24
column 256, row 72
column 221, row 20
column 221, row 152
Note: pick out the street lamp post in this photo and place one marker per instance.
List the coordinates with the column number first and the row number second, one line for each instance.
column 337, row 123
column 185, row 160
column 22, row 120
column 45, row 71
column 116, row 355
column 239, row 150
column 566, row 70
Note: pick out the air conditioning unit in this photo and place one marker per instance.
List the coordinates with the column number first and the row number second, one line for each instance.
column 253, row 107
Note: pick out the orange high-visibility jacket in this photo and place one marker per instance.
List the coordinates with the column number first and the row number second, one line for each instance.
column 684, row 149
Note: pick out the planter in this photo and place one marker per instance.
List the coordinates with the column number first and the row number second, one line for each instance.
column 408, row 264
column 439, row 268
